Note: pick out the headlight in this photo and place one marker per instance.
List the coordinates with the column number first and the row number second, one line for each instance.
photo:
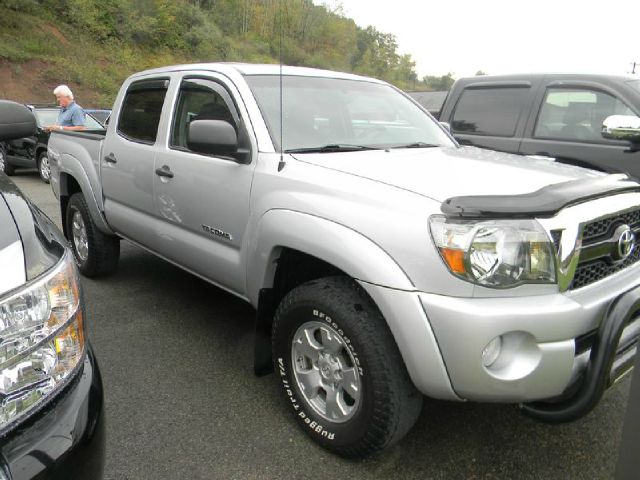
column 495, row 253
column 41, row 340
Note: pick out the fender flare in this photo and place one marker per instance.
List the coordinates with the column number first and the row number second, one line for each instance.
column 80, row 176
column 367, row 263
column 324, row 239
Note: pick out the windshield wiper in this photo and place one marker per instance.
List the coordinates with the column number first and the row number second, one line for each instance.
column 332, row 147
column 417, row 145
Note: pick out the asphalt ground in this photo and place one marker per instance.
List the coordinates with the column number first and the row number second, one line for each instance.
column 182, row 401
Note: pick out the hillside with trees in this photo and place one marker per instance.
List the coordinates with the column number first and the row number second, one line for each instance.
column 93, row 45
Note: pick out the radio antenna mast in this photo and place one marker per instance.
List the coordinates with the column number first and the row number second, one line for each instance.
column 281, row 163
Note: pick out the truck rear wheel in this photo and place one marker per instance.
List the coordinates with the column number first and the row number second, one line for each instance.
column 43, row 167
column 341, row 371
column 95, row 253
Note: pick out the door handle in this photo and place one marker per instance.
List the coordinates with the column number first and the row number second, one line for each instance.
column 165, row 171
column 111, row 158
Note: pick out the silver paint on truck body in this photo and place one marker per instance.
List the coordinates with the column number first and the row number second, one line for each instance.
column 367, row 214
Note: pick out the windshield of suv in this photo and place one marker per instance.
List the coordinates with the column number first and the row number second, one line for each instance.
column 635, row 84
column 329, row 115
column 49, row 116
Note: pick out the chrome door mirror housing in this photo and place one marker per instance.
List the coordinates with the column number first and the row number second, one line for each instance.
column 622, row 127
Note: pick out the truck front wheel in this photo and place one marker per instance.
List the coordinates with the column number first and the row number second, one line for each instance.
column 95, row 252
column 340, row 369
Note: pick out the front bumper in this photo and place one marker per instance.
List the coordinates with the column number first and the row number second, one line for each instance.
column 539, row 359
column 543, row 356
column 64, row 440
column 611, row 356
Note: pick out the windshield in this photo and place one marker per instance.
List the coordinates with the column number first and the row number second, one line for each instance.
column 336, row 113
column 47, row 117
column 635, row 84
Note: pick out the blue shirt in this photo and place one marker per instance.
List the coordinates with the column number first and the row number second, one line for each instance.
column 71, row 116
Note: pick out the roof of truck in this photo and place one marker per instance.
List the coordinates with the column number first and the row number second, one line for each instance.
column 256, row 69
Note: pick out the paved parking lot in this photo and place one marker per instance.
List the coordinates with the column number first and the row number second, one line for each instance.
column 182, row 401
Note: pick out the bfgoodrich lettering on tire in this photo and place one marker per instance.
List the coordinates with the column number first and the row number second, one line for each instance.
column 95, row 252
column 340, row 369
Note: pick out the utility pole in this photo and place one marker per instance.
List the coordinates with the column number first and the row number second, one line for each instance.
column 633, row 67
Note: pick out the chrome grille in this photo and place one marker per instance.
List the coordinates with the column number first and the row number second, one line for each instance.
column 591, row 272
column 602, row 228
column 588, row 272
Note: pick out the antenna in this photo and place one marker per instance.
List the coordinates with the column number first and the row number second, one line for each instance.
column 281, row 163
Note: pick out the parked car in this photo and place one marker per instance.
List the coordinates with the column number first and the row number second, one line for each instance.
column 31, row 151
column 553, row 115
column 384, row 260
column 51, row 400
column 101, row 115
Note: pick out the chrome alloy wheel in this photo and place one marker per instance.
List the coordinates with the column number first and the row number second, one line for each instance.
column 79, row 233
column 45, row 168
column 325, row 371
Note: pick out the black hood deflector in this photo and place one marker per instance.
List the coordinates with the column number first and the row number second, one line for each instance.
column 543, row 203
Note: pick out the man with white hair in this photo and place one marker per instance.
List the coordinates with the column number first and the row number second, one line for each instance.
column 71, row 116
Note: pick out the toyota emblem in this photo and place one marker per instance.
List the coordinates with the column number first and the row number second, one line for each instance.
column 626, row 242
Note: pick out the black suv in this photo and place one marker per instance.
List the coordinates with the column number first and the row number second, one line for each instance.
column 31, row 151
column 559, row 116
column 51, row 399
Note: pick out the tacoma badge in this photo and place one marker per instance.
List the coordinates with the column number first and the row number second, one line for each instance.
column 217, row 232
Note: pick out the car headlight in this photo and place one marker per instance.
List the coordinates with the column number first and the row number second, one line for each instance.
column 41, row 340
column 495, row 253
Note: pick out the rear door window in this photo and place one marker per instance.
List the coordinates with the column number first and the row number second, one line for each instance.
column 141, row 109
column 577, row 114
column 489, row 111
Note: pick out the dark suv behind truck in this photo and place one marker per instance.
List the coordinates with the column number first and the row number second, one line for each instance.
column 31, row 151
column 559, row 116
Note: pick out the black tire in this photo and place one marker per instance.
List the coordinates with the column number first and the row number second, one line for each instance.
column 389, row 403
column 5, row 166
column 103, row 251
column 43, row 161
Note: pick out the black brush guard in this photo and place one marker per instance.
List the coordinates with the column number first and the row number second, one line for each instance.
column 600, row 372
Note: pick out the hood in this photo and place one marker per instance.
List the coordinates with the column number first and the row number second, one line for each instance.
column 27, row 237
column 12, row 269
column 444, row 172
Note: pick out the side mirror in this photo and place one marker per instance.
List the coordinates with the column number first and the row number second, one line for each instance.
column 622, row 127
column 215, row 137
column 447, row 126
column 16, row 121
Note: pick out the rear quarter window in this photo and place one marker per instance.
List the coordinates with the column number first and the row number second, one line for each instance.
column 489, row 111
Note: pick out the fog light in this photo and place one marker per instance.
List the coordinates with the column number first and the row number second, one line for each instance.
column 491, row 352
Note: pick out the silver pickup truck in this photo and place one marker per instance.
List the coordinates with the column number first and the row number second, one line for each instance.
column 385, row 262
